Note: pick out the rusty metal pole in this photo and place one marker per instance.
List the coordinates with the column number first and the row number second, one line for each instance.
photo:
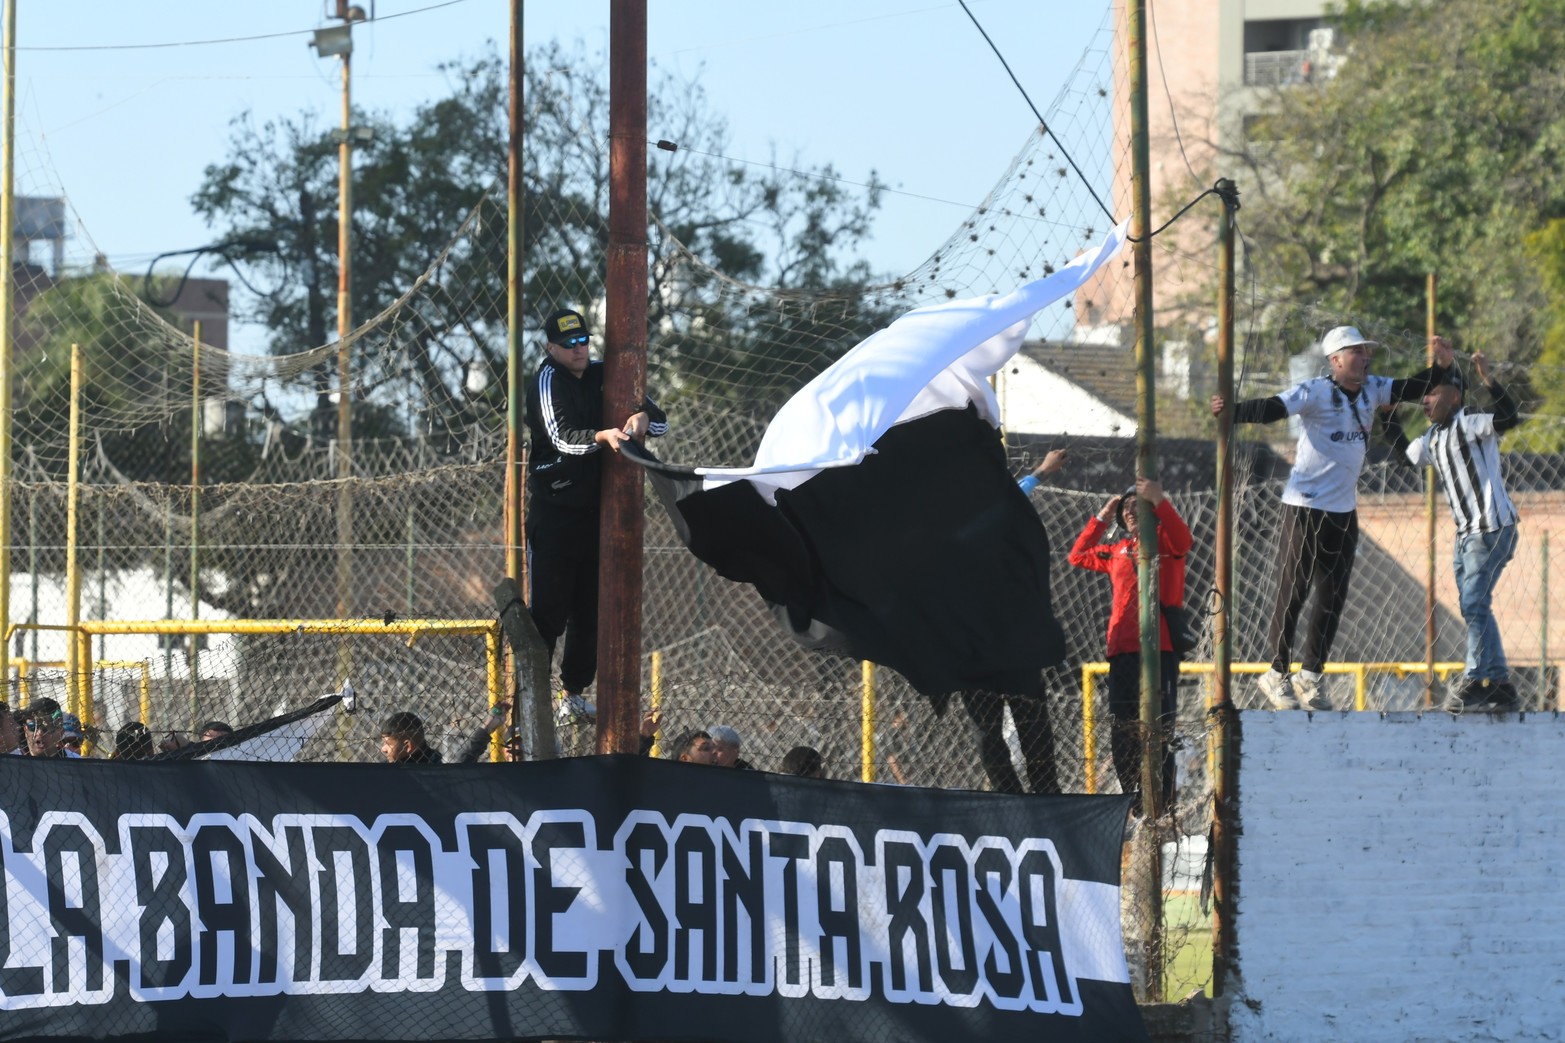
column 624, row 382
column 1148, row 874
column 515, row 458
column 1223, row 719
column 515, row 558
column 1429, row 518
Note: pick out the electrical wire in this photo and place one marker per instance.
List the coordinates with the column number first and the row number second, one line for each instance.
column 1061, row 145
column 1162, row 70
column 226, row 39
column 1041, row 121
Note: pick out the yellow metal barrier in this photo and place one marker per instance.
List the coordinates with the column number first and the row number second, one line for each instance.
column 81, row 694
column 1359, row 671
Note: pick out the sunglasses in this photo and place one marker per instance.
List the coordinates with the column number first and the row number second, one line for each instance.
column 37, row 724
column 577, row 341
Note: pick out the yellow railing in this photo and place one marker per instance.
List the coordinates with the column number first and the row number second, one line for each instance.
column 1359, row 671
column 79, row 689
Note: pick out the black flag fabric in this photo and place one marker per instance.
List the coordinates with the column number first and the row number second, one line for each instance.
column 880, row 518
column 925, row 558
column 584, row 899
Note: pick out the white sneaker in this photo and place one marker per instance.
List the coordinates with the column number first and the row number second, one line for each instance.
column 1278, row 689
column 1313, row 693
column 570, row 707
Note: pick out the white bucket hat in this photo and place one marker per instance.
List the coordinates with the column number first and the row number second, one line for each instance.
column 1343, row 337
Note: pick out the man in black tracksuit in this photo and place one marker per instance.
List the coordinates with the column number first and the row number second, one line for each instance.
column 566, row 434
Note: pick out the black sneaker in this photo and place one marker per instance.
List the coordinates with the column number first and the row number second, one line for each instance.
column 1485, row 696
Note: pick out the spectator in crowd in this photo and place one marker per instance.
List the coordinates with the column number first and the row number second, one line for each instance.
column 22, row 716
column 695, row 747
column 727, row 741
column 402, row 740
column 1030, row 713
column 1319, row 529
column 1119, row 561
column 566, row 434
column 1034, row 733
column 478, row 746
column 133, row 742
column 804, row 761
column 1464, row 449
column 46, row 730
column 72, row 735
column 1053, row 461
column 215, row 730
column 10, row 732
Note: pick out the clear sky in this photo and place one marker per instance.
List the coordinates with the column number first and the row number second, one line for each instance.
column 906, row 88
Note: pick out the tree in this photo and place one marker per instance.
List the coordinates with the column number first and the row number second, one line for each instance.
column 1435, row 147
column 275, row 196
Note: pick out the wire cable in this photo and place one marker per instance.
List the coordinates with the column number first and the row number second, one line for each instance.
column 1061, row 145
column 1041, row 121
column 227, row 39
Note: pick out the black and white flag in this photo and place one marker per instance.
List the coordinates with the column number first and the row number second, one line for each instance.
column 880, row 517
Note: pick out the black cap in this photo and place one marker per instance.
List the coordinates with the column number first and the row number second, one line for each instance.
column 1453, row 376
column 563, row 323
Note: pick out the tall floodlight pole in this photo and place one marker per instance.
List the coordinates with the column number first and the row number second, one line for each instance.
column 624, row 384
column 337, row 41
column 1149, row 878
column 7, row 227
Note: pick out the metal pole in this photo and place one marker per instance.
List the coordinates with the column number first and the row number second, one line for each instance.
column 1543, row 633
column 624, row 381
column 867, row 721
column 7, row 322
column 1429, row 521
column 1224, row 721
column 195, row 520
column 75, row 655
column 657, row 700
column 344, row 364
column 1149, row 878
column 515, row 558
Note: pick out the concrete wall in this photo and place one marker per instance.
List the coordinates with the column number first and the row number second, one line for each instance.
column 1400, row 878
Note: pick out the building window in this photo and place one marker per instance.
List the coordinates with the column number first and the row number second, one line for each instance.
column 1283, row 51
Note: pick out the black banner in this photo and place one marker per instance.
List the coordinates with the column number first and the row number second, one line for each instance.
column 597, row 898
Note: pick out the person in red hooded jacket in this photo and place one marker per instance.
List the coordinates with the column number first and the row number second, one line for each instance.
column 1118, row 559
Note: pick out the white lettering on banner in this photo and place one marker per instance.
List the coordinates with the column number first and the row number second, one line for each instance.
column 223, row 905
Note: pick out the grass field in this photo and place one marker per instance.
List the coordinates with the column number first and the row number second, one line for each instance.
column 1189, row 945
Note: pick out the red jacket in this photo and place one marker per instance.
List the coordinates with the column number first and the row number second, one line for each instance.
column 1119, row 561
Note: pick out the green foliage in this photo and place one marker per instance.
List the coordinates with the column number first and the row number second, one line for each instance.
column 1436, row 147
column 415, row 183
column 1546, row 249
column 127, row 358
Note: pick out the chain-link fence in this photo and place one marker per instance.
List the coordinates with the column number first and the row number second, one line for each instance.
column 258, row 535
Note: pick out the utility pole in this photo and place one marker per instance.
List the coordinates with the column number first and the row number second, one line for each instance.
column 624, row 382
column 338, row 41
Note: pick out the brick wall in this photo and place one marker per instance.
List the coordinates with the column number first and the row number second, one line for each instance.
column 1401, row 877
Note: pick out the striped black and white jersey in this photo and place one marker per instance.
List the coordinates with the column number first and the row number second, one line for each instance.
column 1466, row 453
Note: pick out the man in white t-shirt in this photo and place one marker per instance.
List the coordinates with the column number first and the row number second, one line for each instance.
column 1319, row 530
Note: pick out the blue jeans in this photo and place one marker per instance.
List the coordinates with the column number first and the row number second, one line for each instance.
column 1480, row 558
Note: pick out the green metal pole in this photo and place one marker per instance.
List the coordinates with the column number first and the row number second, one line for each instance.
column 1149, row 876
column 1224, row 723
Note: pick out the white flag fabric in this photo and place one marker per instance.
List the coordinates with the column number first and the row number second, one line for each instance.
column 932, row 358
